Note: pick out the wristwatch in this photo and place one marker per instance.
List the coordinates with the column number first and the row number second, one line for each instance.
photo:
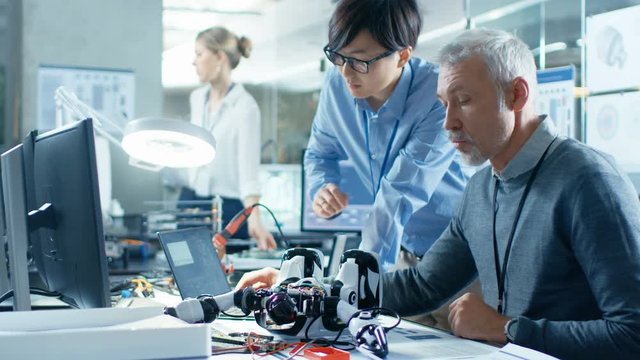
column 511, row 329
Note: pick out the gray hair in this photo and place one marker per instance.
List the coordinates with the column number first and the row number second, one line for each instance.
column 505, row 56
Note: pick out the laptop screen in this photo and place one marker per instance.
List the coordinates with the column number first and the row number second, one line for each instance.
column 194, row 262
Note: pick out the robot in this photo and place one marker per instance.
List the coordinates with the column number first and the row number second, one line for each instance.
column 301, row 305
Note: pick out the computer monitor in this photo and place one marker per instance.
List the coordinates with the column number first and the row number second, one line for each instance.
column 352, row 218
column 70, row 256
column 4, row 275
column 14, row 189
column 59, row 181
column 2, row 219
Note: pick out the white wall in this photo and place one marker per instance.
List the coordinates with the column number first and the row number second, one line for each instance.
column 99, row 33
column 9, row 58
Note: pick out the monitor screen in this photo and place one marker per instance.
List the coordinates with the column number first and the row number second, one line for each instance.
column 194, row 262
column 70, row 255
column 352, row 218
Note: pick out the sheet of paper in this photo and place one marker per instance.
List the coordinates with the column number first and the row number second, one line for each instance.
column 515, row 352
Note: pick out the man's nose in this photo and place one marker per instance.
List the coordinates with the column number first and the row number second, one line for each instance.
column 346, row 69
column 451, row 121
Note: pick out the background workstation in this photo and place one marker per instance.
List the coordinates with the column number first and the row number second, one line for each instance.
column 148, row 44
column 153, row 39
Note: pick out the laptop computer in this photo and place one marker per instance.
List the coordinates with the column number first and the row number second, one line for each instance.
column 194, row 262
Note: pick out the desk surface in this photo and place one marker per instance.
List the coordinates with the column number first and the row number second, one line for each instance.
column 408, row 341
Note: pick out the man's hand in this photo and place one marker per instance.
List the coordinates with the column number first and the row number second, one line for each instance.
column 263, row 237
column 471, row 318
column 263, row 278
column 329, row 201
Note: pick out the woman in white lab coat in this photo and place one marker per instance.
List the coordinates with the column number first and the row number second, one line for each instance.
column 232, row 115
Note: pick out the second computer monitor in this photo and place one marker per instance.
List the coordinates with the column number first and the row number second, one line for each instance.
column 353, row 217
column 70, row 256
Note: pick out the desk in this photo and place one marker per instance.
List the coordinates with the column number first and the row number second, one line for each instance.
column 408, row 341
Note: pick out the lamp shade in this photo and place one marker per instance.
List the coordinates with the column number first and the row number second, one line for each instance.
column 167, row 142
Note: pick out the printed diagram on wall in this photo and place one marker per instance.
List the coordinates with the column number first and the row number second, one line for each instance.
column 556, row 99
column 109, row 91
column 613, row 50
column 613, row 125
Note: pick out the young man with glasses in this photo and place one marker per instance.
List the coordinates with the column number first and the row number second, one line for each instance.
column 378, row 108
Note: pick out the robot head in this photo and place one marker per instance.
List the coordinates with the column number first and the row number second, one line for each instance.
column 358, row 281
column 300, row 263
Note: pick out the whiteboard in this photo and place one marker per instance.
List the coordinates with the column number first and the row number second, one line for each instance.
column 613, row 125
column 613, row 50
column 109, row 91
column 556, row 99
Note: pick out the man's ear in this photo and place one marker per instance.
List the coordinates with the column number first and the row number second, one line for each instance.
column 405, row 55
column 519, row 94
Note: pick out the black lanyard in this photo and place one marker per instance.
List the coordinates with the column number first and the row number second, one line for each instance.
column 365, row 118
column 500, row 275
column 386, row 154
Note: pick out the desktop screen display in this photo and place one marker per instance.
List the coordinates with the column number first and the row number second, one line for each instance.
column 70, row 255
column 352, row 218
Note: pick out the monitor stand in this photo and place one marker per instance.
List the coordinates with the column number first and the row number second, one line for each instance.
column 4, row 275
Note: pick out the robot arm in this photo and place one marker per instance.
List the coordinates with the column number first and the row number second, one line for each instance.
column 299, row 298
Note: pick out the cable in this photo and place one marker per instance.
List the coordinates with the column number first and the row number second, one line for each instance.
column 377, row 310
column 234, row 316
column 283, row 242
column 36, row 291
column 306, row 331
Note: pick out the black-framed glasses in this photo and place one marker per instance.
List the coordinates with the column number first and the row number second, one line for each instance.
column 361, row 66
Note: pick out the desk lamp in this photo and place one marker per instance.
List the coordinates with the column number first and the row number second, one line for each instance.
column 151, row 143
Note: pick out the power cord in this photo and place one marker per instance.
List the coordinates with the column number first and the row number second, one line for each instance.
column 36, row 291
column 283, row 242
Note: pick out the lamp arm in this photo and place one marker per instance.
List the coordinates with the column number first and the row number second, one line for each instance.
column 66, row 99
column 109, row 137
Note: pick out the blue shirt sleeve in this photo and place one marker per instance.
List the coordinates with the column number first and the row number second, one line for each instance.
column 324, row 149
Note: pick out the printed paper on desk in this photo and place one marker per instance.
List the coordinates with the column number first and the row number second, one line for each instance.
column 513, row 351
column 412, row 341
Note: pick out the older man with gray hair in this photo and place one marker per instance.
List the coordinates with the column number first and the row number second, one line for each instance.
column 551, row 228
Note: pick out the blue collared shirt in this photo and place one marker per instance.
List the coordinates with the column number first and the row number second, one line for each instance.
column 418, row 190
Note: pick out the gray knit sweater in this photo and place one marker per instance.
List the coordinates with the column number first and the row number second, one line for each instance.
column 573, row 276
